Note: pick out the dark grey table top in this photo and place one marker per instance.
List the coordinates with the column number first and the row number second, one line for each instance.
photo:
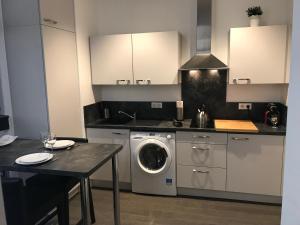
column 80, row 161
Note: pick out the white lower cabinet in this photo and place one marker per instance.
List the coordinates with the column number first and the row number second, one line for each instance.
column 112, row 136
column 201, row 154
column 201, row 177
column 201, row 160
column 254, row 164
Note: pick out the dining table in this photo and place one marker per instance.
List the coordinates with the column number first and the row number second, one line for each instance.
column 79, row 161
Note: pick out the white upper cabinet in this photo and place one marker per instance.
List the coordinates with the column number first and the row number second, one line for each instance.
column 58, row 13
column 142, row 59
column 111, row 59
column 156, row 57
column 258, row 55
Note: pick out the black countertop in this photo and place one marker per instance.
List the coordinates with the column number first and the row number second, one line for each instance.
column 80, row 161
column 167, row 126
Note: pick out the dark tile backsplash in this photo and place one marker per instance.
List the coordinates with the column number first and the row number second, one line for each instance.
column 143, row 110
column 197, row 88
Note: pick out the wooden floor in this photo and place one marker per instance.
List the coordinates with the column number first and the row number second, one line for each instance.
column 153, row 210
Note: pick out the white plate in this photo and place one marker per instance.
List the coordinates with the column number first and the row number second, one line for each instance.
column 61, row 144
column 7, row 139
column 35, row 158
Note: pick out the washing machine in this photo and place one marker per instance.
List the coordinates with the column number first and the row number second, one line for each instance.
column 153, row 163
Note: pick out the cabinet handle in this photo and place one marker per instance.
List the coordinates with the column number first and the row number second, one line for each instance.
column 201, row 136
column 47, row 20
column 240, row 139
column 200, row 171
column 139, row 82
column 199, row 148
column 117, row 133
column 235, row 81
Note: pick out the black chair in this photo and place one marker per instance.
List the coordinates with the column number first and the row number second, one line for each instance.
column 28, row 205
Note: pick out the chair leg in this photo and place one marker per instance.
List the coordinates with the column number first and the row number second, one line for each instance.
column 92, row 210
column 63, row 211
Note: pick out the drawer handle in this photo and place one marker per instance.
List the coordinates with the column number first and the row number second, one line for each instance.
column 240, row 139
column 123, row 82
column 199, row 148
column 47, row 20
column 200, row 171
column 201, row 136
column 117, row 133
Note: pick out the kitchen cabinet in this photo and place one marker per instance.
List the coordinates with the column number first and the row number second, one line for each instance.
column 156, row 57
column 62, row 83
column 111, row 59
column 42, row 67
column 201, row 160
column 258, row 55
column 254, row 164
column 112, row 136
column 141, row 59
column 58, row 14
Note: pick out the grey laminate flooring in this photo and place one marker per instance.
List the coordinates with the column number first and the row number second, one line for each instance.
column 154, row 210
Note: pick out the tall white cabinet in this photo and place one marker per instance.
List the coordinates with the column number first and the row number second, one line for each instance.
column 42, row 66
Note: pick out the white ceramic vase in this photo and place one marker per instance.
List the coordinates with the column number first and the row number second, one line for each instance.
column 254, row 21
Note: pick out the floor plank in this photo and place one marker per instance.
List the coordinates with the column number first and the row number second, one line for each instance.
column 155, row 210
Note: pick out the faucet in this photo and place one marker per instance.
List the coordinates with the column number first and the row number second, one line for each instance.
column 128, row 115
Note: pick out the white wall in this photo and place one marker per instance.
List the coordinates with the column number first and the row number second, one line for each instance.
column 4, row 94
column 117, row 16
column 291, row 195
column 231, row 13
column 5, row 102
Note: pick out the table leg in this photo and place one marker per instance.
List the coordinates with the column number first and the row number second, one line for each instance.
column 85, row 205
column 116, row 193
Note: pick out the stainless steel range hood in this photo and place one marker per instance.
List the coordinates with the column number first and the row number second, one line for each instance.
column 204, row 59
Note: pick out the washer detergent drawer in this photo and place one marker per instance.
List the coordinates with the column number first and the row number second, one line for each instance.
column 198, row 154
column 201, row 178
column 201, row 137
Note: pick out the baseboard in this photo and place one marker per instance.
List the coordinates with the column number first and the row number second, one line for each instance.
column 108, row 185
column 229, row 196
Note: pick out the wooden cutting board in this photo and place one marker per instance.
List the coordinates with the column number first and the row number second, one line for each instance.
column 236, row 125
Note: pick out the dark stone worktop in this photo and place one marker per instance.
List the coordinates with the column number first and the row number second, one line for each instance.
column 167, row 126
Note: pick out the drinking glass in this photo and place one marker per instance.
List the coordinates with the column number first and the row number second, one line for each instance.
column 48, row 139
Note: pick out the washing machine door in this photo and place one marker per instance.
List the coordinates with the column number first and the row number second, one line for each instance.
column 153, row 156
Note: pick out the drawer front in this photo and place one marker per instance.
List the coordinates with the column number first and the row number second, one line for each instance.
column 105, row 136
column 197, row 154
column 201, row 178
column 200, row 137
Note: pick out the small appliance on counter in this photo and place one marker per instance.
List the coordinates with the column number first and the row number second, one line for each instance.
column 179, row 107
column 202, row 118
column 272, row 115
column 179, row 114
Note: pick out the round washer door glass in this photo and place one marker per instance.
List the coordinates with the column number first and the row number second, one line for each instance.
column 153, row 158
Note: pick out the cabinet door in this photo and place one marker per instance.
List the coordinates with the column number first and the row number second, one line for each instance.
column 156, row 57
column 111, row 136
column 201, row 177
column 254, row 164
column 258, row 55
column 111, row 59
column 58, row 13
column 62, row 82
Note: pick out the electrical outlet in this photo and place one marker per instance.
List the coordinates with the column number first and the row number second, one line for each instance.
column 245, row 106
column 156, row 105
